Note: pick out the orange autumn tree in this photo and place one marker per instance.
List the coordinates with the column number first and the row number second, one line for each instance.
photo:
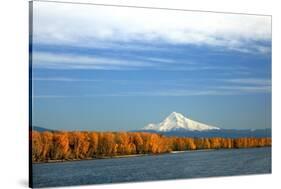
column 61, row 145
column 106, row 144
column 93, row 144
column 47, row 145
column 138, row 141
column 37, row 146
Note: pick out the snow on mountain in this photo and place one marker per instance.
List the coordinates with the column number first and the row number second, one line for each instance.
column 176, row 121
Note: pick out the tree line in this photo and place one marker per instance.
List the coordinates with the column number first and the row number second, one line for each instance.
column 72, row 145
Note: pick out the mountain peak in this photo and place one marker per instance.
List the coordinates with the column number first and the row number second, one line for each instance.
column 177, row 121
column 175, row 114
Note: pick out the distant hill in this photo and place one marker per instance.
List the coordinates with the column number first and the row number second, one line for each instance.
column 40, row 129
column 226, row 133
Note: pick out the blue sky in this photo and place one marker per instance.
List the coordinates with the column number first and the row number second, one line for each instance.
column 112, row 68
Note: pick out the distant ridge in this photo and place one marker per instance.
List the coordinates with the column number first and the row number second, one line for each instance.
column 225, row 133
column 41, row 129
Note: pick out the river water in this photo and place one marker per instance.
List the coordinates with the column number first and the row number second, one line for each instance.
column 192, row 164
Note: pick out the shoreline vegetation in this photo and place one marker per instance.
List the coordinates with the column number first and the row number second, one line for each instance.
column 61, row 146
column 96, row 158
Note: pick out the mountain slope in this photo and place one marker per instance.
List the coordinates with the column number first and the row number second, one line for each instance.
column 176, row 121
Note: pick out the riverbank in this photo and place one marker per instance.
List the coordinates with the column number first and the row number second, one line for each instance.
column 133, row 155
column 184, row 151
column 94, row 158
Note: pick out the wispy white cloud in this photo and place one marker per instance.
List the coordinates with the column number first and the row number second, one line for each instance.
column 219, row 90
column 161, row 60
column 53, row 60
column 53, row 96
column 211, row 90
column 253, row 81
column 74, row 61
column 66, row 79
column 247, row 89
column 240, row 84
column 81, row 79
column 175, row 92
column 90, row 25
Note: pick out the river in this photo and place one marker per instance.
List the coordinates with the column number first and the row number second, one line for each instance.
column 191, row 164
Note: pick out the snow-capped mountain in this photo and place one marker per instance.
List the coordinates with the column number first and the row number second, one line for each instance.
column 176, row 121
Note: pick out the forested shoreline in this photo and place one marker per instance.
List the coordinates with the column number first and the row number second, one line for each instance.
column 75, row 145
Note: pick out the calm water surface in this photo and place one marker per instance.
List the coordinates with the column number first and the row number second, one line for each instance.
column 148, row 168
